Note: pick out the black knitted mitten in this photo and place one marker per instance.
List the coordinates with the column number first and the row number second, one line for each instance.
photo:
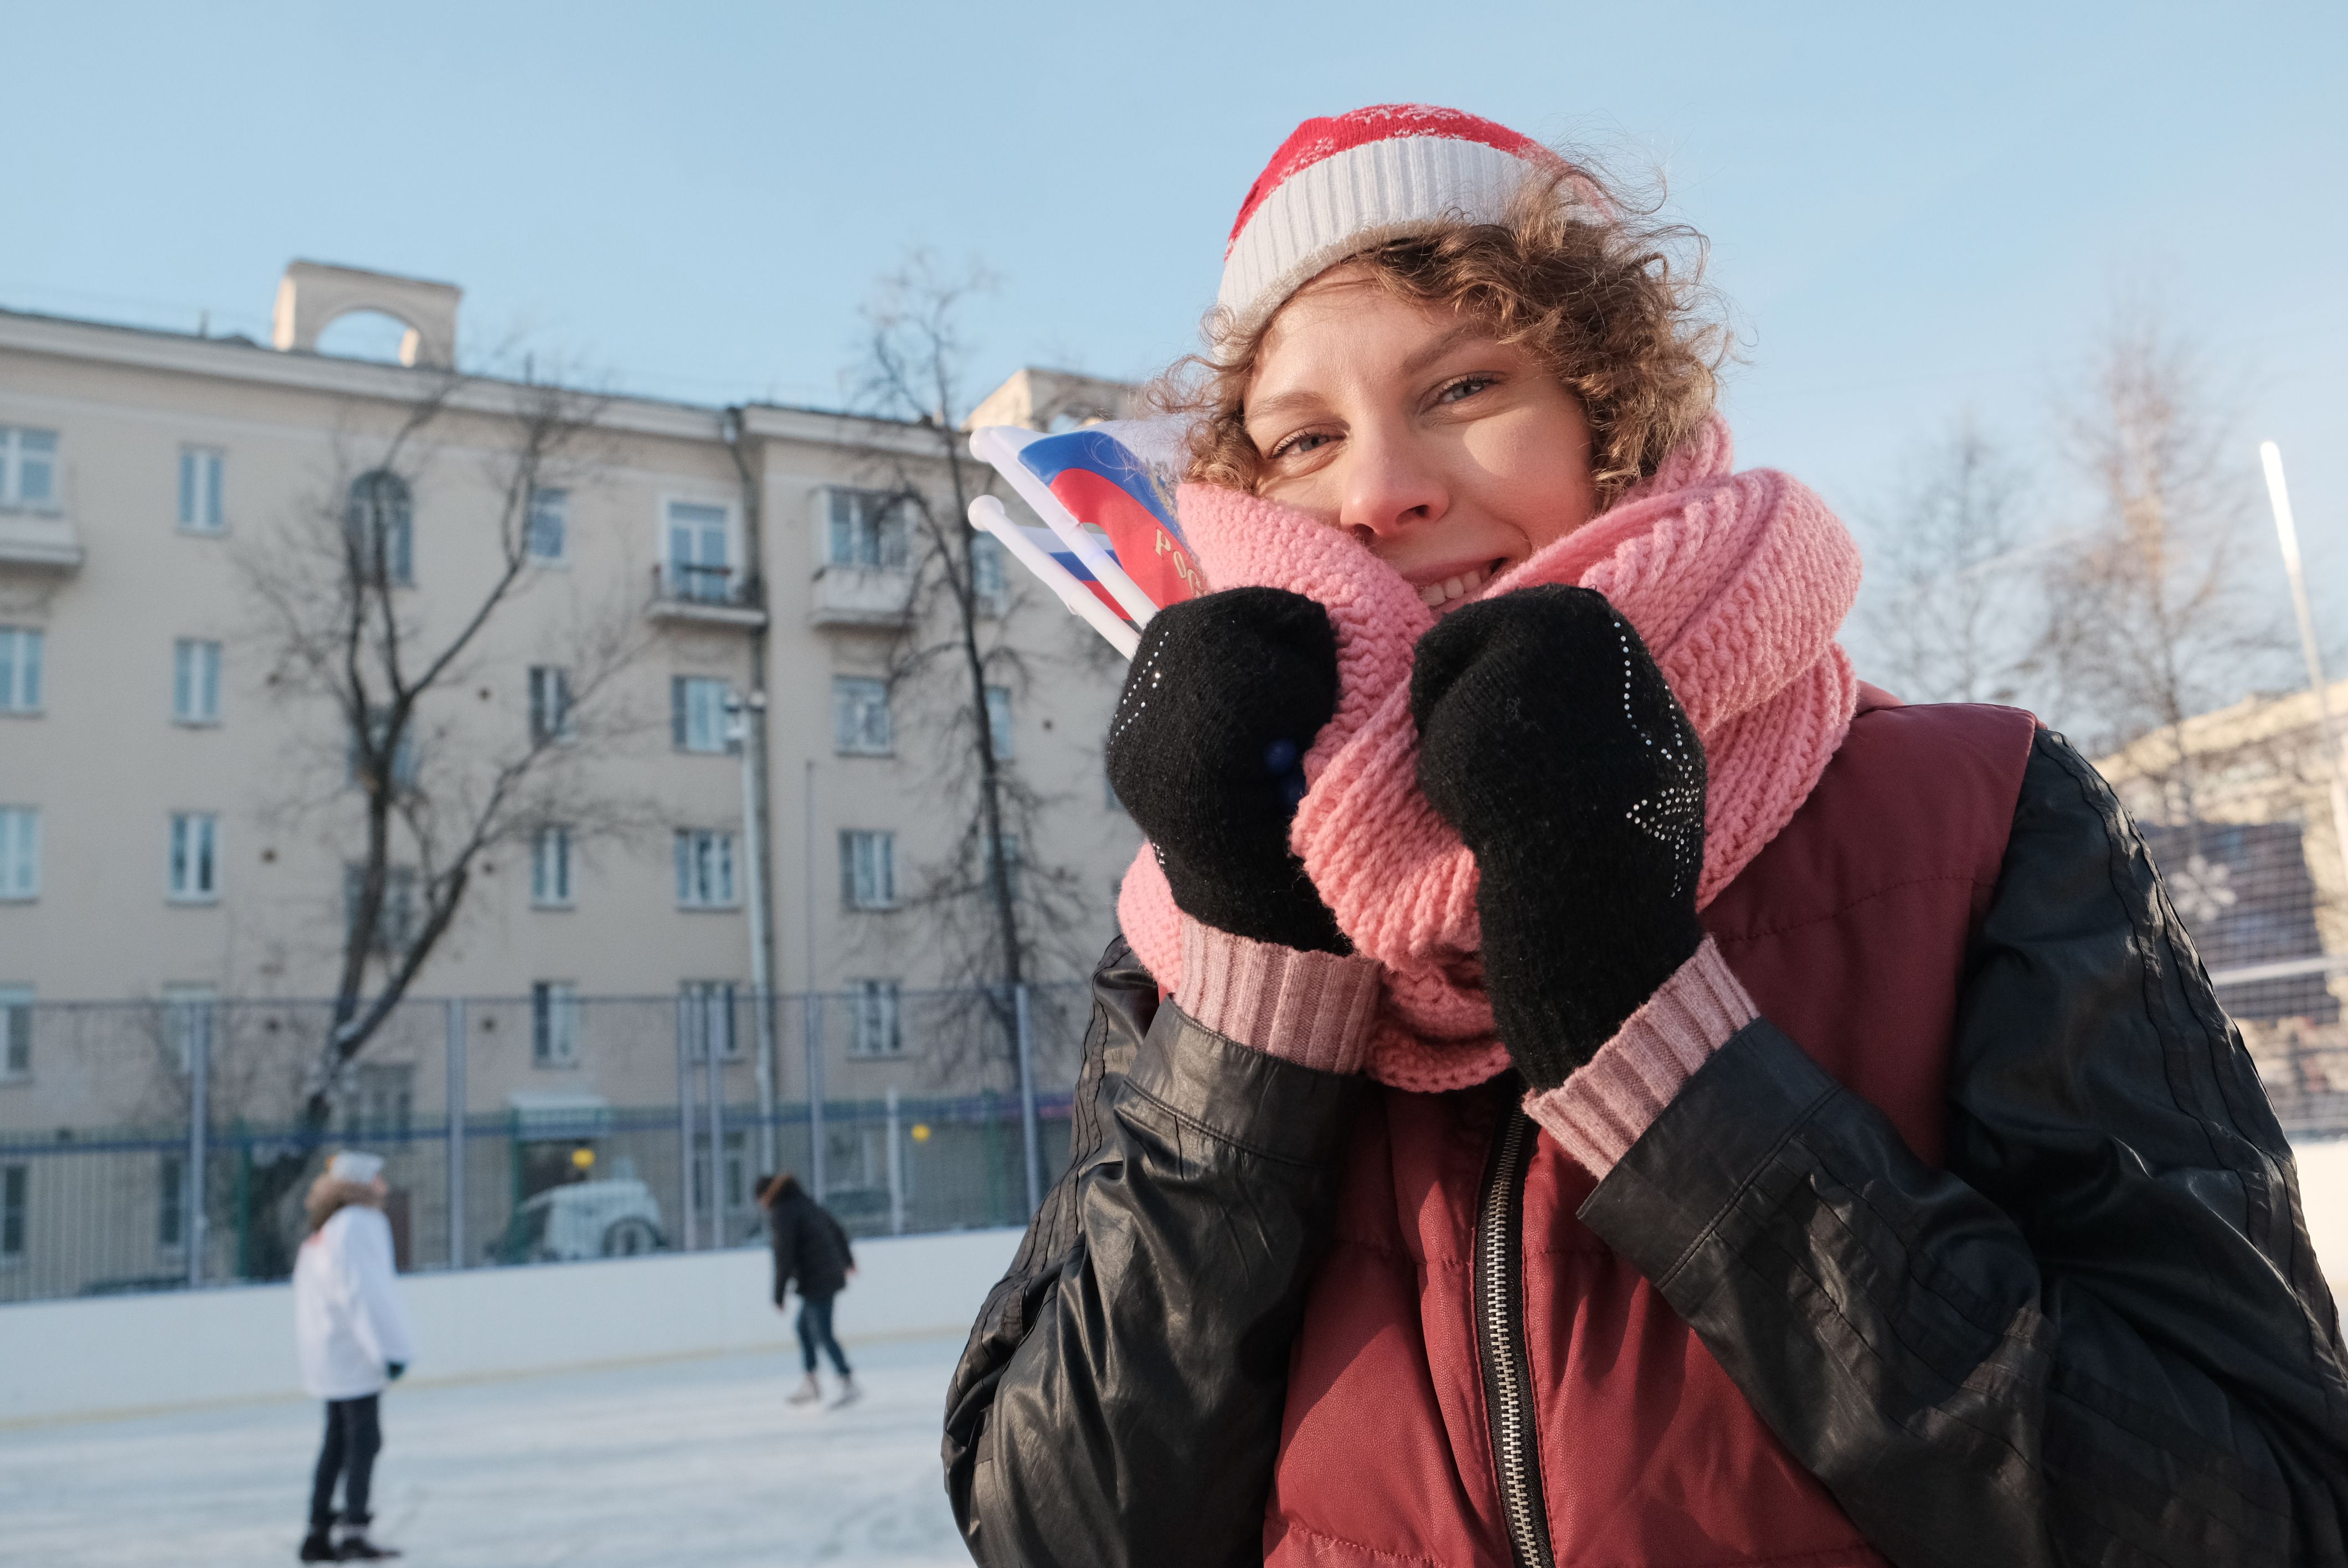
column 1548, row 739
column 1225, row 695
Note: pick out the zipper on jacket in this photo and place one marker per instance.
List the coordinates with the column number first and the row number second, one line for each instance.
column 1500, row 1342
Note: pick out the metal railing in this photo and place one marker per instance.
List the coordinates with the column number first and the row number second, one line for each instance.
column 689, row 583
column 148, row 1146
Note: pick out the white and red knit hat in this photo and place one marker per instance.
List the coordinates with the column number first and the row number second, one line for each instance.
column 1339, row 186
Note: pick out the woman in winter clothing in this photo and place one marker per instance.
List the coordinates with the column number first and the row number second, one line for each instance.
column 1585, row 1080
column 812, row 1248
column 353, row 1338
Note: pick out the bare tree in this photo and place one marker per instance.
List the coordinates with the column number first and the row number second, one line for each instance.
column 2148, row 616
column 411, row 779
column 1951, row 625
column 994, row 903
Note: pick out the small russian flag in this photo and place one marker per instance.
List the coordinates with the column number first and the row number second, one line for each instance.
column 1104, row 485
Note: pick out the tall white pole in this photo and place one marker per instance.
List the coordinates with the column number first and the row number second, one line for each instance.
column 453, row 1048
column 747, row 720
column 896, row 1170
column 196, row 1019
column 1024, row 1022
column 2287, row 532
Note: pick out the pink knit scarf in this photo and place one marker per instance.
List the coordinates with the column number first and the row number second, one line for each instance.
column 1737, row 581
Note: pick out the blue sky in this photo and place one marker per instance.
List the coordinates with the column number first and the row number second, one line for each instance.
column 1915, row 213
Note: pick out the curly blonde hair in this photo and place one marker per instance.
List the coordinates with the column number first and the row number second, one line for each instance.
column 1612, row 302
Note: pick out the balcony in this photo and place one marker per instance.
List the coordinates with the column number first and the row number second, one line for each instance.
column 859, row 596
column 43, row 542
column 710, row 595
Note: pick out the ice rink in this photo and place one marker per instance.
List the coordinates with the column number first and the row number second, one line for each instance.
column 695, row 1463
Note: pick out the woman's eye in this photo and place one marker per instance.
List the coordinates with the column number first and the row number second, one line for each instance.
column 1465, row 386
column 1300, row 444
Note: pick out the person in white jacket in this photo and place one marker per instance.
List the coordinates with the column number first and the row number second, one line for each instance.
column 354, row 1339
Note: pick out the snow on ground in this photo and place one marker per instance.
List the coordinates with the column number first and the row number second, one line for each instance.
column 686, row 1463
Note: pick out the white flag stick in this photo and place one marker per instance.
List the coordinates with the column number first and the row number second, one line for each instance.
column 989, row 446
column 987, row 516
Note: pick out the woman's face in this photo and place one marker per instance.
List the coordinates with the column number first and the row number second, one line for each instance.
column 1450, row 455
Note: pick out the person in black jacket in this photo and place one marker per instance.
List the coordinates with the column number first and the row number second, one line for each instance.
column 812, row 1248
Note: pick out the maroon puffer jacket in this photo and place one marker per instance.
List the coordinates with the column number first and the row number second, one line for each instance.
column 1849, row 930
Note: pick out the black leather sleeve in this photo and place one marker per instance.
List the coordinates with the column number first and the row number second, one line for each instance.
column 2099, row 1336
column 1119, row 1401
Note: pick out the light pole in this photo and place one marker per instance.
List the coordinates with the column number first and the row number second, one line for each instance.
column 741, row 715
column 2287, row 532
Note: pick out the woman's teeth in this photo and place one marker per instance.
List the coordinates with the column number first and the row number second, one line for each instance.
column 1451, row 588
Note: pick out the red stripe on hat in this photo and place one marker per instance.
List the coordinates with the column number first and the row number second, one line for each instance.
column 1324, row 138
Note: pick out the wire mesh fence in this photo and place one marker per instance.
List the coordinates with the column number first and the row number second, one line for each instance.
column 2248, row 896
column 158, row 1145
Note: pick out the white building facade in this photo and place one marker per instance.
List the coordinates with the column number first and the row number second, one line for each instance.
column 175, row 825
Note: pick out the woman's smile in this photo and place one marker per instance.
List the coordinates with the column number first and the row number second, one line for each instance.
column 1443, row 586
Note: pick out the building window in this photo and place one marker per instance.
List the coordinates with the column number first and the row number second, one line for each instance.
column 553, row 1024
column 872, row 1010
column 20, row 852
column 698, row 563
column 868, row 528
column 549, row 531
column 13, row 1179
column 28, row 468
column 16, row 1032
column 195, row 862
column 998, row 721
column 706, row 1011
column 379, row 524
column 868, row 870
column 382, row 1100
column 550, row 703
column 859, row 717
column 1008, row 865
column 735, row 1161
column 195, row 682
column 171, row 1200
column 549, row 868
column 987, row 583
column 20, row 669
column 199, row 489
column 395, row 923
column 704, row 868
column 403, row 755
column 188, row 1017
column 696, row 712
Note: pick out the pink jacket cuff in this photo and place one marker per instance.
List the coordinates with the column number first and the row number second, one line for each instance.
column 1311, row 1009
column 1599, row 1112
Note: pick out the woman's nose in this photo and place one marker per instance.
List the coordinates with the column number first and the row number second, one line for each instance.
column 1389, row 490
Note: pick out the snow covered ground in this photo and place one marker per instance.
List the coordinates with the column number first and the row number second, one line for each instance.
column 687, row 1462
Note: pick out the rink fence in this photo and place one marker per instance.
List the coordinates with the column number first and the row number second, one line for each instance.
column 158, row 1146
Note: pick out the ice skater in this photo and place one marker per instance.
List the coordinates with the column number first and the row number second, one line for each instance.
column 810, row 1248
column 353, row 1340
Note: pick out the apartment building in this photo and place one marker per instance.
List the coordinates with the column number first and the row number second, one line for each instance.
column 176, row 821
